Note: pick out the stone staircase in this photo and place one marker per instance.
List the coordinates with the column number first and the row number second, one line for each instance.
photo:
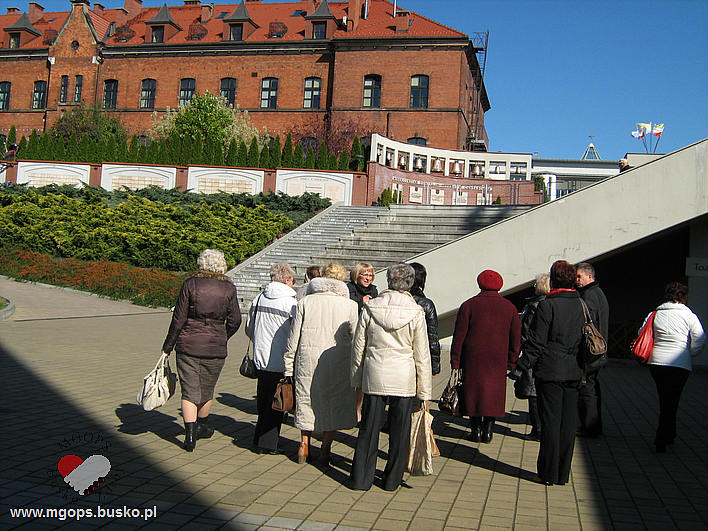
column 298, row 246
column 379, row 235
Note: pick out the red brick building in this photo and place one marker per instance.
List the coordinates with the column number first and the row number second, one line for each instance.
column 289, row 64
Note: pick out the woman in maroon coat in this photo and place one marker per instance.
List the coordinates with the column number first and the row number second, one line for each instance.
column 485, row 345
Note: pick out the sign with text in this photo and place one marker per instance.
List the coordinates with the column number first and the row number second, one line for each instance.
column 696, row 267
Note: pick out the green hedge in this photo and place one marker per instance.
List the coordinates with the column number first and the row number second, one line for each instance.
column 137, row 230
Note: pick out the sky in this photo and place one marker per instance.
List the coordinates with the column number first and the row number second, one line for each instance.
column 559, row 72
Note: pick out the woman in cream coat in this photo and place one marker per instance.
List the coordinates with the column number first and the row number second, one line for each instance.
column 390, row 358
column 318, row 357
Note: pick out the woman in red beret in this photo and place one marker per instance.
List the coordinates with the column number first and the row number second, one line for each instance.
column 485, row 345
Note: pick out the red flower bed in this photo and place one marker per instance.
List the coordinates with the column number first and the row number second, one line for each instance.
column 116, row 280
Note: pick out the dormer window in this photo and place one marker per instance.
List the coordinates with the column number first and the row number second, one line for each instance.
column 158, row 34
column 319, row 30
column 14, row 40
column 236, row 32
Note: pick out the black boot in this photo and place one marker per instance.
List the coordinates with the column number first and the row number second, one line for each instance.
column 487, row 429
column 190, row 436
column 476, row 427
column 204, row 431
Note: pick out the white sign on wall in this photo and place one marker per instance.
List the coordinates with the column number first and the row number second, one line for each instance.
column 229, row 180
column 135, row 177
column 44, row 173
column 333, row 185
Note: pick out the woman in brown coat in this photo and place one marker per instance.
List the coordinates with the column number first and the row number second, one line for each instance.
column 485, row 345
column 205, row 316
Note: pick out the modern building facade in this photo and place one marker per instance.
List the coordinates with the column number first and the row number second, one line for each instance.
column 353, row 63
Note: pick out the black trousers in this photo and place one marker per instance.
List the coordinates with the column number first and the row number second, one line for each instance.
column 269, row 420
column 669, row 386
column 558, row 407
column 590, row 405
column 367, row 443
column 534, row 415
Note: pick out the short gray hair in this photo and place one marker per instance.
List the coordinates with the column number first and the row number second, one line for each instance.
column 281, row 272
column 587, row 268
column 212, row 260
column 400, row 277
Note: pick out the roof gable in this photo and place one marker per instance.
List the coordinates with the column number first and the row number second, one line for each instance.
column 24, row 24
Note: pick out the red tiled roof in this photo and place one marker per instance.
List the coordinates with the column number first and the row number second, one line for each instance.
column 378, row 24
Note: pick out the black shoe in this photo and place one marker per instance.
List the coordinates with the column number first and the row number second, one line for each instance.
column 190, row 436
column 204, row 431
column 476, row 429
column 487, row 429
column 351, row 486
column 266, row 451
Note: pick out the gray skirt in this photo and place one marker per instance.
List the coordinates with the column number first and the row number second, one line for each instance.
column 198, row 377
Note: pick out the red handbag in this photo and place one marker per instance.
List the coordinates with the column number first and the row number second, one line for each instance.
column 642, row 346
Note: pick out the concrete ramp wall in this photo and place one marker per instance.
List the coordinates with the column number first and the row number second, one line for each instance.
column 581, row 226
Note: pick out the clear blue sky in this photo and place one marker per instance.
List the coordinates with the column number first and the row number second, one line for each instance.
column 558, row 71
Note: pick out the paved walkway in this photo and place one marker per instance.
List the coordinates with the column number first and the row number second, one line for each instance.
column 72, row 365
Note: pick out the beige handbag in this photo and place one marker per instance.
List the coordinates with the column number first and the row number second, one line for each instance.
column 422, row 445
column 158, row 386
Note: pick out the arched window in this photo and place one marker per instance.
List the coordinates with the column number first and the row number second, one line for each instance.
column 5, row 95
column 186, row 90
column 228, row 90
column 419, row 92
column 269, row 93
column 418, row 141
column 63, row 89
column 372, row 90
column 147, row 94
column 39, row 96
column 312, row 93
column 77, row 88
column 110, row 94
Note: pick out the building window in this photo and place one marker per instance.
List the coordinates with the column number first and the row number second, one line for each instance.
column 372, row 91
column 228, row 90
column 14, row 40
column 158, row 34
column 77, row 88
column 110, row 93
column 236, row 32
column 39, row 96
column 186, row 90
column 147, row 94
column 312, row 93
column 63, row 89
column 269, row 93
column 5, row 95
column 418, row 141
column 319, row 30
column 419, row 92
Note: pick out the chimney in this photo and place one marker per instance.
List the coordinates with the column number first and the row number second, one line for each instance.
column 354, row 14
column 192, row 2
column 207, row 10
column 121, row 16
column 133, row 7
column 309, row 6
column 98, row 8
column 13, row 10
column 36, row 12
column 402, row 21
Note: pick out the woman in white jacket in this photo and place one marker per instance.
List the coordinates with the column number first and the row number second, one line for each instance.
column 678, row 335
column 318, row 357
column 390, row 358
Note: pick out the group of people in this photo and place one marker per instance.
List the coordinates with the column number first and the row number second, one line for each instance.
column 352, row 352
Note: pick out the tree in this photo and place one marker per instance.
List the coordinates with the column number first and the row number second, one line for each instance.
column 242, row 159
column 357, row 153
column 265, row 158
column 310, row 161
column 87, row 120
column 21, row 147
column 232, row 155
column 298, row 156
column 276, row 153
column 344, row 160
column 32, row 149
column 322, row 157
column 11, row 137
column 288, row 159
column 332, row 163
column 210, row 118
column 254, row 154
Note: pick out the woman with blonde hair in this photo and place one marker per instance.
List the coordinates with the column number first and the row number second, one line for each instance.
column 361, row 287
column 317, row 356
column 205, row 316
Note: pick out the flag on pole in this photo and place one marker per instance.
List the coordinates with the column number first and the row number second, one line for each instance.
column 658, row 129
column 636, row 134
column 644, row 129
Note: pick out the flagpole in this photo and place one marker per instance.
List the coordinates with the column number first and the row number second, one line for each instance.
column 657, row 143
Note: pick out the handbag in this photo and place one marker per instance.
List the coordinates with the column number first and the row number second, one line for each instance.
column 284, row 397
column 158, row 386
column 451, row 400
column 642, row 346
column 422, row 443
column 594, row 346
column 248, row 366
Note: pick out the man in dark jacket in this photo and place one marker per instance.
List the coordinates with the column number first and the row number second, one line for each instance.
column 590, row 396
column 431, row 315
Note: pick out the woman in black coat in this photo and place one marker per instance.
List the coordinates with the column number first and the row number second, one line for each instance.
column 205, row 316
column 431, row 314
column 361, row 287
column 552, row 351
